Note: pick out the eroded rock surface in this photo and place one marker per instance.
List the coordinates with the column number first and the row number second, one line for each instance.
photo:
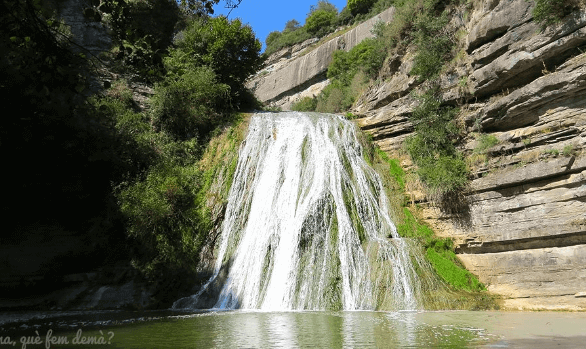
column 524, row 229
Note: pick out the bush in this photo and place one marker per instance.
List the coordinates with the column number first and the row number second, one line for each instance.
column 305, row 104
column 190, row 105
column 333, row 99
column 549, row 12
column 367, row 57
column 163, row 220
column 320, row 22
column 485, row 142
column 142, row 32
column 272, row 37
column 230, row 49
column 433, row 46
column 441, row 166
column 359, row 6
column 286, row 39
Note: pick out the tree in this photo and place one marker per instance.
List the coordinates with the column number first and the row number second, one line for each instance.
column 229, row 48
column 199, row 6
column 360, row 6
column 323, row 5
column 274, row 35
column 292, row 25
column 320, row 22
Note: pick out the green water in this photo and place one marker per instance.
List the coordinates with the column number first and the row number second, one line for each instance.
column 358, row 329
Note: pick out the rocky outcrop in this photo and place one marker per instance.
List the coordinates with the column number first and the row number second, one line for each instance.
column 523, row 231
column 294, row 70
column 90, row 35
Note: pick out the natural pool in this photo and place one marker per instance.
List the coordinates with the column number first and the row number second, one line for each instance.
column 255, row 329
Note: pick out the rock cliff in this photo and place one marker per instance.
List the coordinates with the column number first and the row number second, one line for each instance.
column 523, row 230
column 301, row 70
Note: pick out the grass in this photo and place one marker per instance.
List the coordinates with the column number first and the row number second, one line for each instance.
column 439, row 252
column 485, row 142
column 548, row 12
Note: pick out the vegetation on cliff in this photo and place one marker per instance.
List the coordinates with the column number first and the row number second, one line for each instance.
column 323, row 19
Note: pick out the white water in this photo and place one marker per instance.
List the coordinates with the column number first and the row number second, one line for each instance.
column 307, row 224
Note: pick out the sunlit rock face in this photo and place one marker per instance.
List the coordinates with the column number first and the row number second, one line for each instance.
column 523, row 231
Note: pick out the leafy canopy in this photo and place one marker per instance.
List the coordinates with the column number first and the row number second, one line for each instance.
column 359, row 6
column 229, row 48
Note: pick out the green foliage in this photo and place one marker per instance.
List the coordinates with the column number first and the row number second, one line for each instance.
column 440, row 253
column 349, row 73
column 395, row 169
column 359, row 6
column 199, row 7
column 367, row 57
column 441, row 166
column 434, row 45
column 411, row 228
column 445, row 264
column 323, row 5
column 552, row 151
column 485, row 142
column 292, row 25
column 190, row 105
column 286, row 39
column 335, row 98
column 568, row 150
column 162, row 216
column 274, row 35
column 142, row 31
column 320, row 22
column 229, row 48
column 549, row 12
column 305, row 104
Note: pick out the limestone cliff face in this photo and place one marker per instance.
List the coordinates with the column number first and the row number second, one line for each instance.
column 291, row 71
column 524, row 229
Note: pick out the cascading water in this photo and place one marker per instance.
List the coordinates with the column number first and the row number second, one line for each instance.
column 307, row 224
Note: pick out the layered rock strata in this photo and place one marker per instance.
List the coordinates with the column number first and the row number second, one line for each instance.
column 524, row 229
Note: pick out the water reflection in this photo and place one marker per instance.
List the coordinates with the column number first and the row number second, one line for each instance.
column 364, row 329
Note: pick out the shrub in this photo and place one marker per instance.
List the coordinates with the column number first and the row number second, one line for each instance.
column 332, row 99
column 367, row 56
column 142, row 32
column 320, row 22
column 359, row 6
column 292, row 25
column 229, row 48
column 274, row 35
column 433, row 46
column 190, row 105
column 441, row 166
column 305, row 104
column 549, row 12
column 286, row 39
column 162, row 218
column 485, row 142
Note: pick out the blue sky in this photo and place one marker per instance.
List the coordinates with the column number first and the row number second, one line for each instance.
column 265, row 16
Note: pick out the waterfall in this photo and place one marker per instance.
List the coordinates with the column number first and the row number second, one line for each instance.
column 307, row 224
